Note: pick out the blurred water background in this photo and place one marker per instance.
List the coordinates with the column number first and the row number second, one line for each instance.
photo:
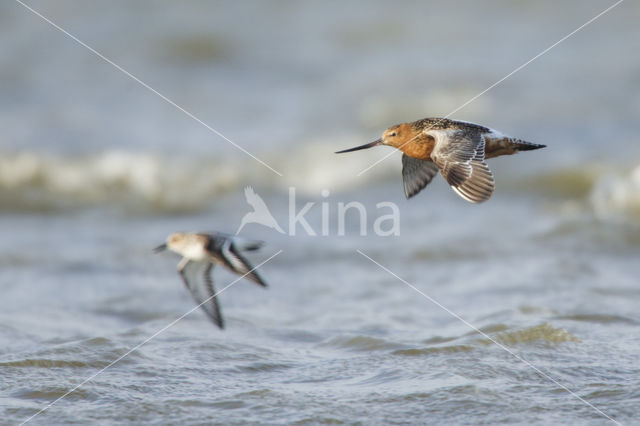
column 95, row 170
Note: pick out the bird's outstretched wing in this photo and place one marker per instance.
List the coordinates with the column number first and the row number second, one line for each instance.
column 230, row 256
column 416, row 174
column 459, row 155
column 197, row 278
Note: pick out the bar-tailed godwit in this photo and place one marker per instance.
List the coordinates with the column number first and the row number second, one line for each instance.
column 455, row 148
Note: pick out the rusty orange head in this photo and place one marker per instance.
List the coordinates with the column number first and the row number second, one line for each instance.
column 394, row 136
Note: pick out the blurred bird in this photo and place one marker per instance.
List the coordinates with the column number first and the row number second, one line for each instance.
column 260, row 213
column 455, row 148
column 200, row 253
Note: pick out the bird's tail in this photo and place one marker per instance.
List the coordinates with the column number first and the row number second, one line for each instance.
column 246, row 244
column 250, row 245
column 496, row 146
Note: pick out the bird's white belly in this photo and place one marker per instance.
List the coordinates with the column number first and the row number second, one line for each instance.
column 195, row 252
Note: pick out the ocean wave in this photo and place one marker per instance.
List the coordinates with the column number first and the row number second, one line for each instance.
column 616, row 196
column 609, row 191
column 40, row 182
column 544, row 332
column 360, row 343
column 568, row 182
column 30, row 181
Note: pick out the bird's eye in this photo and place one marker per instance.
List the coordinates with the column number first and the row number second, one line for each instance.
column 392, row 134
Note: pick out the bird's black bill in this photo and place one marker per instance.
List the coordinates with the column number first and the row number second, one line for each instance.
column 365, row 146
column 160, row 248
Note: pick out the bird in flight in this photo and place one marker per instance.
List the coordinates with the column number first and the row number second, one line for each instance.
column 456, row 149
column 200, row 252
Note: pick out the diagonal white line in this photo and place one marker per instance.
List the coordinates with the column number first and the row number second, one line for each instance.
column 136, row 347
column 535, row 57
column 504, row 78
column 145, row 85
column 500, row 345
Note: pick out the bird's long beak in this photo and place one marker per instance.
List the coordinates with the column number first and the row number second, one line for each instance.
column 160, row 248
column 365, row 146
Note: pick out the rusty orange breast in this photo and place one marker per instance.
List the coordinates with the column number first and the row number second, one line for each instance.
column 420, row 147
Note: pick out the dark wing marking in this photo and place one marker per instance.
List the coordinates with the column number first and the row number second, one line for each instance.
column 416, row 174
column 459, row 155
column 229, row 256
column 212, row 308
column 240, row 264
column 197, row 278
column 248, row 245
column 218, row 239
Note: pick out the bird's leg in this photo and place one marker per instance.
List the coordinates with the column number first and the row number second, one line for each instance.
column 182, row 264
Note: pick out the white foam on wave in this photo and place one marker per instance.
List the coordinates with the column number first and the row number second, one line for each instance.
column 36, row 181
column 617, row 196
column 43, row 180
column 315, row 166
column 148, row 181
